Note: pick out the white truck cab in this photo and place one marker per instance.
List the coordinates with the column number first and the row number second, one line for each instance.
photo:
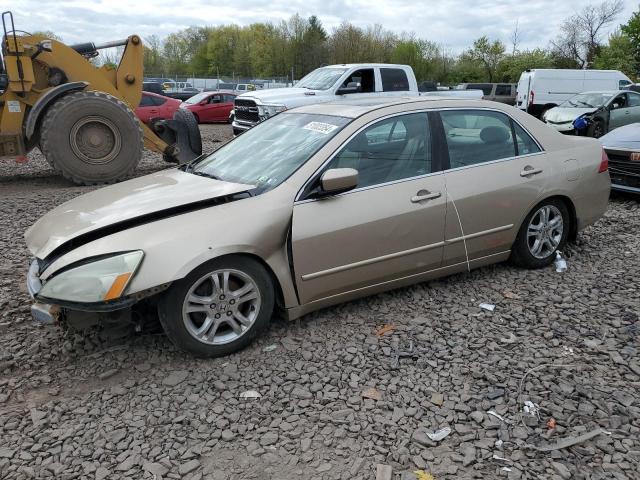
column 541, row 89
column 325, row 84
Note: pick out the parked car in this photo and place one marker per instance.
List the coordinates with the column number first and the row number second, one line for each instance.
column 542, row 89
column 599, row 112
column 244, row 87
column 333, row 83
column 180, row 90
column 153, row 87
column 316, row 206
column 211, row 106
column 222, row 86
column 157, row 106
column 496, row 92
column 623, row 148
column 635, row 87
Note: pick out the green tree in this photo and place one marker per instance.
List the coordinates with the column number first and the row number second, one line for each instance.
column 617, row 55
column 512, row 66
column 488, row 55
column 632, row 30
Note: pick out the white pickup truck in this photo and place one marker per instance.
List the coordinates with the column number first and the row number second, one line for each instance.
column 331, row 83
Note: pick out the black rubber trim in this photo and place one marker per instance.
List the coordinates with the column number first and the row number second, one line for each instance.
column 45, row 100
column 136, row 222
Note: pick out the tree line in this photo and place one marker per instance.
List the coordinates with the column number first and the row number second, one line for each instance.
column 299, row 45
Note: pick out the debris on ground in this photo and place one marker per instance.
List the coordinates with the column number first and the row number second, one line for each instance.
column 487, row 306
column 270, row 348
column 569, row 441
column 372, row 394
column 560, row 263
column 384, row 330
column 384, row 472
column 250, row 394
column 440, row 434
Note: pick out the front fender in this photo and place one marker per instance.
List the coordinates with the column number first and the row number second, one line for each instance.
column 47, row 99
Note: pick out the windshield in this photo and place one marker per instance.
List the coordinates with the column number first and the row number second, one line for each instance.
column 588, row 100
column 267, row 154
column 197, row 98
column 321, row 79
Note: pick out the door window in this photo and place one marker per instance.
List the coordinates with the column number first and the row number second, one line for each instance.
column 146, row 101
column 524, row 143
column 389, row 150
column 228, row 98
column 476, row 136
column 214, row 99
column 394, row 80
column 503, row 90
column 619, row 102
column 634, row 99
column 365, row 78
column 158, row 101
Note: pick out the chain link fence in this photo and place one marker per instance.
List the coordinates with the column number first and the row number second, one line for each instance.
column 224, row 81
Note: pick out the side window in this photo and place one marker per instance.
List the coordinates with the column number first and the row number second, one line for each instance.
column 476, row 136
column 214, row 99
column 389, row 150
column 623, row 83
column 526, row 145
column 146, row 101
column 158, row 101
column 503, row 90
column 365, row 78
column 229, row 98
column 634, row 99
column 394, row 80
column 619, row 102
column 485, row 87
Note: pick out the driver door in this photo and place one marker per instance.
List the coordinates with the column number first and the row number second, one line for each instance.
column 389, row 227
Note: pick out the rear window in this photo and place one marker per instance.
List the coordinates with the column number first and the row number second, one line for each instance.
column 503, row 90
column 394, row 80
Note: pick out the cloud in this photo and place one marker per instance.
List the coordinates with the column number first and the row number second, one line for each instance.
column 453, row 23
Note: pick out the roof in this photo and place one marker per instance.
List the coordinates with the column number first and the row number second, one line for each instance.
column 212, row 92
column 349, row 65
column 358, row 107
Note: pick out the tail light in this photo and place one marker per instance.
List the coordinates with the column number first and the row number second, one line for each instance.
column 604, row 162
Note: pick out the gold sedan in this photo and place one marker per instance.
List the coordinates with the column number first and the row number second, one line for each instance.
column 316, row 206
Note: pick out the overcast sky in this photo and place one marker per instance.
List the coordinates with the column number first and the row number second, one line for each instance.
column 454, row 23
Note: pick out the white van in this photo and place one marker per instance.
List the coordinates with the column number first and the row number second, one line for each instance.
column 542, row 89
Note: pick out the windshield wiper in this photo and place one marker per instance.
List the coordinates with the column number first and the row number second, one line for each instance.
column 208, row 175
column 585, row 104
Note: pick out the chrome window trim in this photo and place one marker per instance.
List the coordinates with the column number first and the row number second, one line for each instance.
column 297, row 200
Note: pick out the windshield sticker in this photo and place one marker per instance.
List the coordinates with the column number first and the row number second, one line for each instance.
column 320, row 127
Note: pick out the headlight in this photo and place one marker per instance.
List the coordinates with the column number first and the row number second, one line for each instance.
column 98, row 281
column 267, row 111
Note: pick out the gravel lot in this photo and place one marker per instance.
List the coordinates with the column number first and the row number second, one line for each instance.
column 334, row 400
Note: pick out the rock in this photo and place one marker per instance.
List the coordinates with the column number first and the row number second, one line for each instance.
column 188, row 467
column 108, row 374
column 155, row 469
column 437, row 399
column 383, row 472
column 175, row 378
column 477, row 416
column 228, row 435
column 305, row 444
column 562, row 470
column 495, row 393
column 102, row 473
column 6, row 452
column 301, row 393
column 324, row 467
column 268, row 438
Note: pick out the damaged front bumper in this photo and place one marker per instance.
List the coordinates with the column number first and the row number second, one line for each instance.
column 43, row 313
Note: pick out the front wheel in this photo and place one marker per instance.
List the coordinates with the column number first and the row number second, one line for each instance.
column 596, row 129
column 219, row 308
column 544, row 231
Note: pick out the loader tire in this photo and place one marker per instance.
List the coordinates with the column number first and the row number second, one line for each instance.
column 91, row 138
column 195, row 140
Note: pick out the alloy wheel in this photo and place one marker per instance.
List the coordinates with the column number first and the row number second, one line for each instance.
column 221, row 306
column 544, row 231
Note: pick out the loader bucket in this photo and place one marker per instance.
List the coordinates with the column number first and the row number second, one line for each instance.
column 181, row 134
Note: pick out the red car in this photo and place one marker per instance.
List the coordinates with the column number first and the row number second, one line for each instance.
column 153, row 105
column 211, row 106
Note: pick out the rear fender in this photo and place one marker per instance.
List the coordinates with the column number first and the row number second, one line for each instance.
column 40, row 107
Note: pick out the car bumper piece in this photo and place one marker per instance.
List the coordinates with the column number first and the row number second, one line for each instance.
column 45, row 314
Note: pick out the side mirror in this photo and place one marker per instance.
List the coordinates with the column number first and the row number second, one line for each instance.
column 338, row 180
column 352, row 87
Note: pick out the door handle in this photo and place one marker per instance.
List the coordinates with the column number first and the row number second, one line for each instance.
column 529, row 170
column 423, row 195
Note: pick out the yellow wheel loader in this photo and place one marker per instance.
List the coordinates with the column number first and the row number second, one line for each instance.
column 80, row 115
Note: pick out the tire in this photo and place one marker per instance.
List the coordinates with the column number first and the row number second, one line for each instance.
column 522, row 251
column 195, row 115
column 182, row 327
column 596, row 129
column 190, row 120
column 73, row 122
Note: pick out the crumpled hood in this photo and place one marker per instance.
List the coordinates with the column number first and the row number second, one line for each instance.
column 120, row 202
column 563, row 115
column 289, row 97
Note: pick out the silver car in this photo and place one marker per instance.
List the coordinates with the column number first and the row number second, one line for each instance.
column 316, row 206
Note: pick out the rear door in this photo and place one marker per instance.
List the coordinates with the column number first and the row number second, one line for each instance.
column 492, row 181
column 394, row 81
column 390, row 227
column 621, row 113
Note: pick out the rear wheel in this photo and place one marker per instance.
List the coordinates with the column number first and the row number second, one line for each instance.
column 544, row 231
column 219, row 308
column 91, row 138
